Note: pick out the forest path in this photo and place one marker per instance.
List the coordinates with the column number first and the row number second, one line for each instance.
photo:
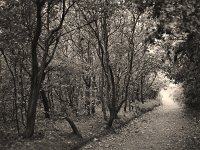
column 169, row 126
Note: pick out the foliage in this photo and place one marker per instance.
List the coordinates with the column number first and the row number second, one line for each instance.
column 67, row 58
column 184, row 50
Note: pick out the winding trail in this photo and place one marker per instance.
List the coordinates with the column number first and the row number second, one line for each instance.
column 168, row 127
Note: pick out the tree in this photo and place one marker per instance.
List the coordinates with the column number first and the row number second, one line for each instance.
column 75, row 53
column 116, row 34
column 38, row 71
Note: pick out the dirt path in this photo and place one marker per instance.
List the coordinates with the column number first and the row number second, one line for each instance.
column 167, row 127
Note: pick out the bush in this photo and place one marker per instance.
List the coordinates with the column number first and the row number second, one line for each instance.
column 149, row 105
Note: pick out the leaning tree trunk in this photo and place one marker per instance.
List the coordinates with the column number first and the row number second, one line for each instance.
column 73, row 126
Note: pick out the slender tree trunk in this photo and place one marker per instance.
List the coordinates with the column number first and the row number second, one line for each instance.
column 87, row 99
column 45, row 103
column 15, row 95
column 51, row 98
column 48, row 90
column 93, row 95
column 73, row 126
column 141, row 90
column 137, row 92
column 36, row 76
column 129, row 105
column 129, row 73
column 23, row 103
column 125, row 106
column 112, row 106
column 87, row 80
column 32, row 105
column 108, row 68
column 113, row 116
column 103, row 104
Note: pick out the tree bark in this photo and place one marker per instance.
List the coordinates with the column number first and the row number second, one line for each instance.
column 87, row 80
column 45, row 103
column 35, row 76
column 112, row 105
column 130, row 56
column 112, row 117
column 102, row 96
column 141, row 89
column 38, row 73
column 137, row 92
column 23, row 102
column 31, row 114
column 93, row 103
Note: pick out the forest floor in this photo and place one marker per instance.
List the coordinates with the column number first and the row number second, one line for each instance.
column 168, row 127
column 56, row 134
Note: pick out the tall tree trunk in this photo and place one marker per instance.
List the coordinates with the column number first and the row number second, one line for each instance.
column 15, row 95
column 87, row 99
column 45, row 103
column 87, row 80
column 125, row 105
column 112, row 117
column 49, row 91
column 93, row 103
column 35, row 75
column 108, row 68
column 138, row 92
column 112, row 105
column 130, row 67
column 103, row 104
column 141, row 89
column 23, row 102
column 32, row 105
column 129, row 105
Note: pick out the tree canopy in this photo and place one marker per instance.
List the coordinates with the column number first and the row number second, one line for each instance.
column 71, row 57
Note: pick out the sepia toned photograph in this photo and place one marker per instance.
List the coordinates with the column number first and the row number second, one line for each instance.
column 99, row 74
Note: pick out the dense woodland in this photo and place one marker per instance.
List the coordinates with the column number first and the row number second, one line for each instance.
column 67, row 58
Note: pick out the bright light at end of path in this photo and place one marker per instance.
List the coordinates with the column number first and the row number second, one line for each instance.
column 167, row 96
